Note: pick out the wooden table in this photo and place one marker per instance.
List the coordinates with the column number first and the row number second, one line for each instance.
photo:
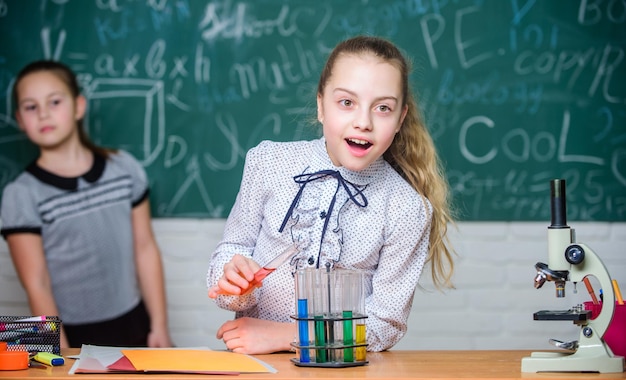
column 385, row 365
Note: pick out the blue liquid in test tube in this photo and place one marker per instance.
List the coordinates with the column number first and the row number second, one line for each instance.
column 303, row 330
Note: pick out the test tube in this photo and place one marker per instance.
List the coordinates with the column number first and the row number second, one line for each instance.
column 360, row 331
column 303, row 284
column 329, row 323
column 348, row 305
column 320, row 302
column 360, row 352
column 270, row 267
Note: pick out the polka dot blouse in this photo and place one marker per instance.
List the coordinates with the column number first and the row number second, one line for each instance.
column 371, row 220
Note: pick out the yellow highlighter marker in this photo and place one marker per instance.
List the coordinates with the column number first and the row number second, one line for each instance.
column 618, row 294
column 49, row 358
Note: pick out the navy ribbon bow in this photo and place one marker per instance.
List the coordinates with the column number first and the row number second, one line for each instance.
column 354, row 193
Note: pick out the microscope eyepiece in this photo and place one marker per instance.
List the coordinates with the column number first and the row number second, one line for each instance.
column 558, row 207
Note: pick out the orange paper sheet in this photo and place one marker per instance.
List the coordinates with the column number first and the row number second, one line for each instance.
column 182, row 360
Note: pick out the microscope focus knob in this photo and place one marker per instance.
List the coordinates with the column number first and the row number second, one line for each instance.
column 574, row 254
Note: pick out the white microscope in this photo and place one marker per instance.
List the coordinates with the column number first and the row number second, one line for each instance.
column 570, row 261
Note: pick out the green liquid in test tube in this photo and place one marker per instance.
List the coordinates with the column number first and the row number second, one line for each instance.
column 320, row 339
column 319, row 292
column 347, row 336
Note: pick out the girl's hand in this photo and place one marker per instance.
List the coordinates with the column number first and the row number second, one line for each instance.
column 238, row 273
column 159, row 339
column 256, row 336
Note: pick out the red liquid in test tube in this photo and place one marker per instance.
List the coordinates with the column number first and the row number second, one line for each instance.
column 270, row 267
column 260, row 275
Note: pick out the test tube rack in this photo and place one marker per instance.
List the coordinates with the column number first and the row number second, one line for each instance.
column 330, row 305
column 328, row 351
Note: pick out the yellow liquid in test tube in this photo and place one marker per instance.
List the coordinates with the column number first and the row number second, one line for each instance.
column 360, row 339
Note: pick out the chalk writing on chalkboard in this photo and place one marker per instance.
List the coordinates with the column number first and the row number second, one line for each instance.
column 515, row 93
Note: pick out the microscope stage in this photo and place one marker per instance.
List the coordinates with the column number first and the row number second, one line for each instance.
column 562, row 315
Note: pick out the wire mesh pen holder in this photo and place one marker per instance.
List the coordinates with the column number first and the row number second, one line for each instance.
column 330, row 315
column 32, row 334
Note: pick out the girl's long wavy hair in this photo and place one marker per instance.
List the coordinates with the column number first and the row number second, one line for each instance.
column 412, row 153
column 67, row 76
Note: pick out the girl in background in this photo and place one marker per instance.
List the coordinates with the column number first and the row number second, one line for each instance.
column 368, row 195
column 77, row 223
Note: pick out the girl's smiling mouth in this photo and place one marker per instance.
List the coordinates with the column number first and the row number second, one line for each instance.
column 358, row 143
column 357, row 147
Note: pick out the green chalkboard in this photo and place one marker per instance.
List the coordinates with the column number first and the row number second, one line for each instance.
column 514, row 92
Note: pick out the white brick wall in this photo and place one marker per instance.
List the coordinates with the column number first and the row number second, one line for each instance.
column 491, row 308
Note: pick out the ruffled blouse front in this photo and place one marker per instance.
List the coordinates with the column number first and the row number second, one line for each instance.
column 371, row 220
